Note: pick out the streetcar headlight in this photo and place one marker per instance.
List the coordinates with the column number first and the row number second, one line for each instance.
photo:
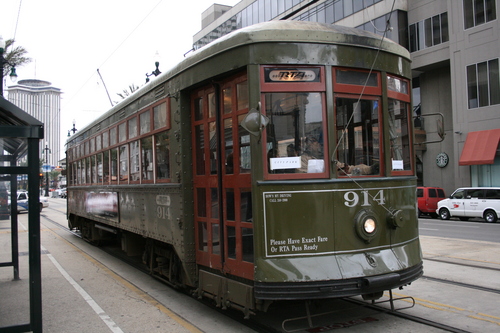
column 366, row 225
column 369, row 225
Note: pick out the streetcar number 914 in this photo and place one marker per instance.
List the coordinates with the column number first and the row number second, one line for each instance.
column 353, row 198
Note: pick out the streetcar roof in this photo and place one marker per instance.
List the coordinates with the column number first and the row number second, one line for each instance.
column 268, row 32
column 305, row 32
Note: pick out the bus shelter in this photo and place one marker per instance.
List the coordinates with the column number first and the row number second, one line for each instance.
column 20, row 134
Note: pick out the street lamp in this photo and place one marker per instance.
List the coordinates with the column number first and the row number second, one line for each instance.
column 156, row 72
column 3, row 62
column 47, row 166
column 73, row 129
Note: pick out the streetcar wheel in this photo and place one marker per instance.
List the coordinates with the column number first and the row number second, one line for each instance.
column 434, row 215
column 444, row 214
column 419, row 213
column 490, row 216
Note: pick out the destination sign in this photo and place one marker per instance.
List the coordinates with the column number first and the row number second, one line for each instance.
column 292, row 74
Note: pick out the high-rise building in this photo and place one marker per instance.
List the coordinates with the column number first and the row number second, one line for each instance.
column 42, row 101
column 454, row 46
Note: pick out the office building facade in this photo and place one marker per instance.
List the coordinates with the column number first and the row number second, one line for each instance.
column 455, row 51
column 42, row 101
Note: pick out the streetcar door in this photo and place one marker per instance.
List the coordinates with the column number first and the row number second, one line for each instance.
column 222, row 184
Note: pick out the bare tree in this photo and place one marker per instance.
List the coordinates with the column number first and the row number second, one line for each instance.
column 125, row 93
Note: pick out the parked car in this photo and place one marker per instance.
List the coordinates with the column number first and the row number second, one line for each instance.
column 59, row 193
column 467, row 202
column 427, row 199
column 22, row 202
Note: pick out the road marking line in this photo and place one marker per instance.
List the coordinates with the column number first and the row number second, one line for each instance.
column 431, row 302
column 484, row 319
column 436, row 255
column 150, row 299
column 442, row 307
column 90, row 301
column 487, row 315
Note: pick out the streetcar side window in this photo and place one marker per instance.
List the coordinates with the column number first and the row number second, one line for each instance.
column 147, row 158
column 105, row 166
column 134, row 161
column 99, row 168
column 122, row 132
column 162, row 144
column 124, row 164
column 114, row 164
column 133, row 151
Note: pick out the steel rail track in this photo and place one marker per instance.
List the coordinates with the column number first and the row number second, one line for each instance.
column 461, row 284
column 406, row 316
column 463, row 264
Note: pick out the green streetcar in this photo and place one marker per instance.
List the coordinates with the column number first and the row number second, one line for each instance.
column 276, row 163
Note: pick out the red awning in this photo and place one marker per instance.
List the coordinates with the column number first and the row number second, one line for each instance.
column 480, row 147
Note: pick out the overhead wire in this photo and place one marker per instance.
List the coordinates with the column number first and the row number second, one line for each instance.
column 115, row 50
column 17, row 22
column 359, row 99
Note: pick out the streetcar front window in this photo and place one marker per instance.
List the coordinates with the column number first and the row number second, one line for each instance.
column 358, row 136
column 295, row 142
column 400, row 137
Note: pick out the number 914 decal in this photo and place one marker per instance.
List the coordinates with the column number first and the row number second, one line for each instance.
column 363, row 198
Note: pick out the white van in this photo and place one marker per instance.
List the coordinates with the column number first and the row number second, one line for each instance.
column 467, row 202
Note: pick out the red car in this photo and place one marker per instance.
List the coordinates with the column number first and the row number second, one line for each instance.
column 427, row 198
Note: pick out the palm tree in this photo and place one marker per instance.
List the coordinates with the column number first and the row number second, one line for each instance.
column 16, row 56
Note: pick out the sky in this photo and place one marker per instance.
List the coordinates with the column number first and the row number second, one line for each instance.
column 69, row 40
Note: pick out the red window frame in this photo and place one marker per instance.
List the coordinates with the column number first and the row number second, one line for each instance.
column 392, row 94
column 318, row 86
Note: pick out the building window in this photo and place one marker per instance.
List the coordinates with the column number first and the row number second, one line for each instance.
column 477, row 12
column 329, row 11
column 483, row 84
column 429, row 32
